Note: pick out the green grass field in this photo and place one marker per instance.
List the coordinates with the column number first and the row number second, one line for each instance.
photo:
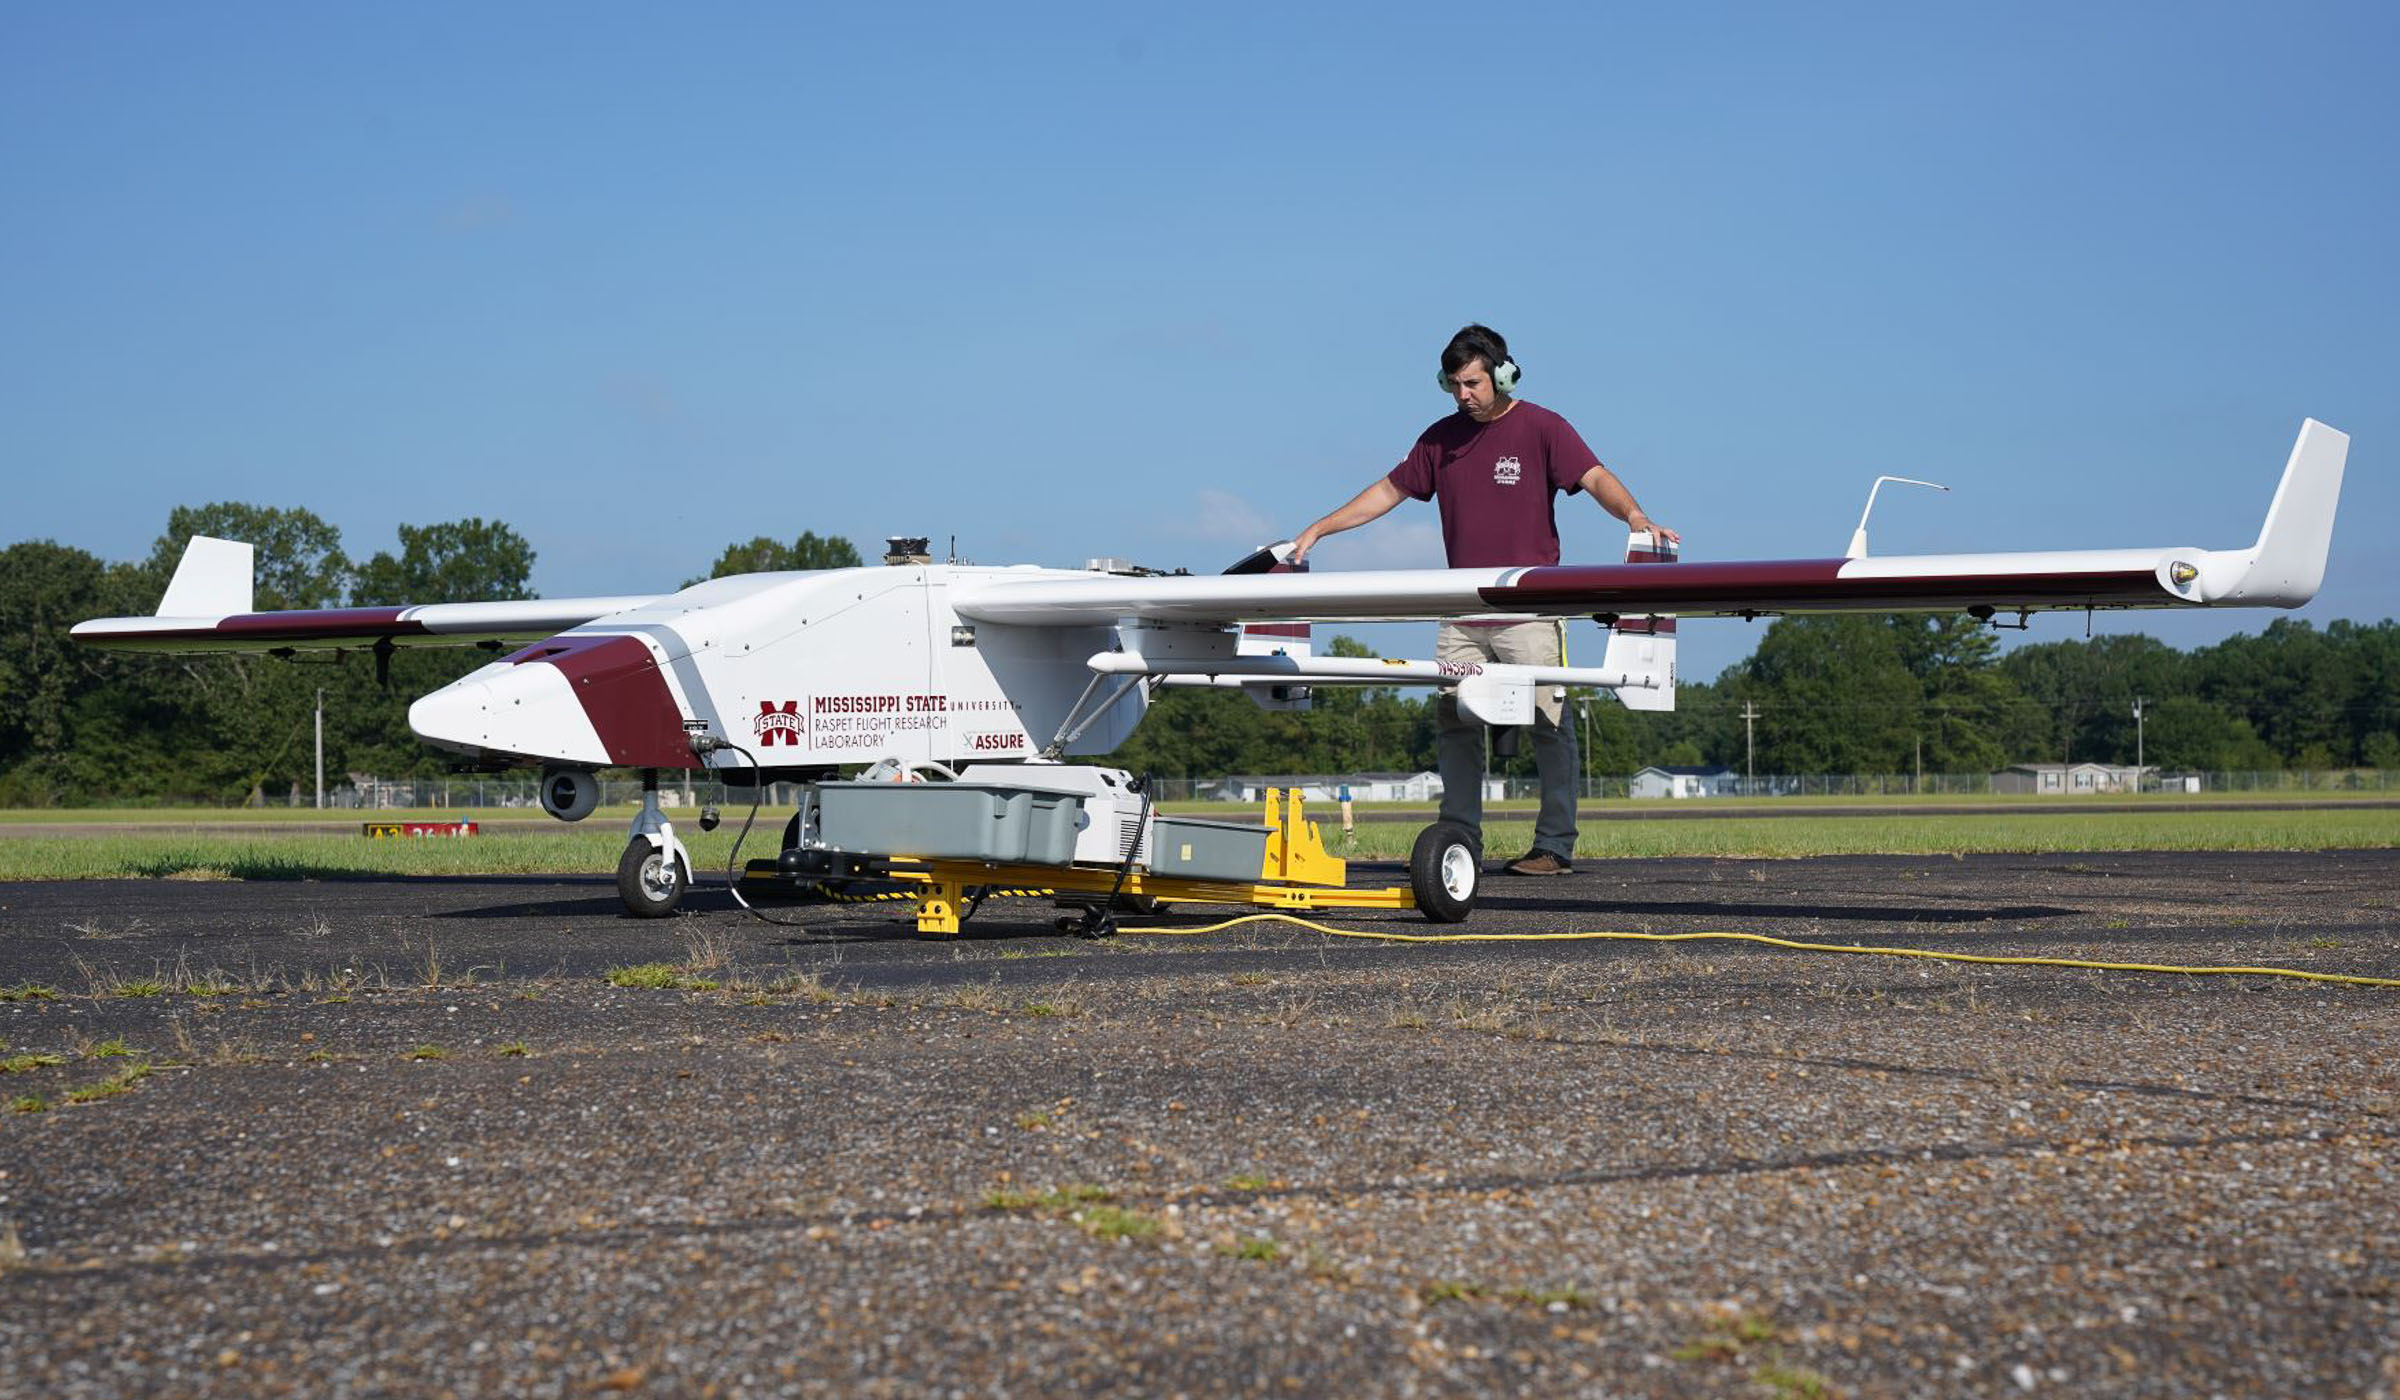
column 593, row 846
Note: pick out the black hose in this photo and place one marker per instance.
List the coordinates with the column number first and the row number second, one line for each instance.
column 1100, row 921
column 758, row 795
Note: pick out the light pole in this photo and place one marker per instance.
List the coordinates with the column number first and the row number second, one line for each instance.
column 2137, row 743
column 320, row 748
column 1587, row 744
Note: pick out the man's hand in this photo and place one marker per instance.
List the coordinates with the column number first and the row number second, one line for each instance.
column 1367, row 505
column 1640, row 521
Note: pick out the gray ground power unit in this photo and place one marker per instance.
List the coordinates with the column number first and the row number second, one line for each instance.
column 1198, row 848
column 949, row 821
column 1110, row 827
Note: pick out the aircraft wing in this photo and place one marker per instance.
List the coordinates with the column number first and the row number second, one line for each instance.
column 2282, row 569
column 208, row 607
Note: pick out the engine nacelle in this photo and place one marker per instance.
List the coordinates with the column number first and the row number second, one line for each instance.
column 569, row 794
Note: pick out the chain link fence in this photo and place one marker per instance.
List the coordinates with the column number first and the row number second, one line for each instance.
column 486, row 792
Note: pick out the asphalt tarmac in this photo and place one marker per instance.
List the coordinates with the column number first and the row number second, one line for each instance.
column 404, row 1137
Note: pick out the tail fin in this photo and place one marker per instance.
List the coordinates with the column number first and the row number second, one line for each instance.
column 1645, row 646
column 211, row 580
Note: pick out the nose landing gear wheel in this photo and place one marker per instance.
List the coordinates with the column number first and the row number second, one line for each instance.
column 1443, row 870
column 650, row 881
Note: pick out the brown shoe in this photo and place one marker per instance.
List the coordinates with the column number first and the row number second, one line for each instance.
column 1539, row 863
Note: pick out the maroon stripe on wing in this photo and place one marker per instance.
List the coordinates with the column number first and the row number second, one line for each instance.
column 618, row 683
column 1800, row 584
column 316, row 624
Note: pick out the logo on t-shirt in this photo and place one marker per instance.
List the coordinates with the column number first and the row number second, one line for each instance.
column 1507, row 471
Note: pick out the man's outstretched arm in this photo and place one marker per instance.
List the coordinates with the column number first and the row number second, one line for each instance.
column 1367, row 505
column 1619, row 502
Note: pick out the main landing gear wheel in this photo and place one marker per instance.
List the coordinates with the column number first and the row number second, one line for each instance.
column 650, row 881
column 1442, row 871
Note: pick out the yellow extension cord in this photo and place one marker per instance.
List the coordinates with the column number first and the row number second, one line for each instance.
column 2343, row 978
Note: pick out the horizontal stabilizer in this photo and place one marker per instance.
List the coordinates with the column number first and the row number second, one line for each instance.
column 1652, row 658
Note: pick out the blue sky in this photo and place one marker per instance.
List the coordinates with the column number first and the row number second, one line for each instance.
column 1163, row 282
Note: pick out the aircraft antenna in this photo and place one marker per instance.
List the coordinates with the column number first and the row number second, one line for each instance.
column 1858, row 537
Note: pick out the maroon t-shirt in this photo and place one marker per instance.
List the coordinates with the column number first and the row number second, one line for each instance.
column 1497, row 482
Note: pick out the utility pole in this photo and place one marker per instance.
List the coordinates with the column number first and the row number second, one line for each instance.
column 2137, row 743
column 320, row 748
column 1749, row 749
column 1587, row 744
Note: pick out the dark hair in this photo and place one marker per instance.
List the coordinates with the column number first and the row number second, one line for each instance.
column 1474, row 343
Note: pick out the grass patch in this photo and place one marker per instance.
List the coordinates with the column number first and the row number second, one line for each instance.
column 1058, row 1001
column 1461, row 1290
column 512, row 1050
column 29, row 1103
column 1264, row 1249
column 1117, row 1223
column 429, row 1052
column 1551, row 1299
column 1880, row 827
column 29, row 991
column 1755, row 1341
column 1799, row 1382
column 653, row 976
column 25, row 1064
column 977, row 996
column 807, row 986
column 119, row 1083
column 1056, row 1199
column 660, row 976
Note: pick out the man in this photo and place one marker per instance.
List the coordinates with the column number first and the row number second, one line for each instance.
column 1497, row 466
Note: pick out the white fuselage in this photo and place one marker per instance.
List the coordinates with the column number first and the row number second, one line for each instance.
column 801, row 669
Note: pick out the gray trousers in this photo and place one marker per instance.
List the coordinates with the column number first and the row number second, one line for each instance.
column 1459, row 744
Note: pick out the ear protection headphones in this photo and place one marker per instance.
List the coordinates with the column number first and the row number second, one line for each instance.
column 1504, row 370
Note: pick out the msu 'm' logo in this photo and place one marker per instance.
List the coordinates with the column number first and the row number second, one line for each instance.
column 775, row 724
column 1508, row 471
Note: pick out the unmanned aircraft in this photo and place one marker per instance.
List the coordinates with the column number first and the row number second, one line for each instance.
column 915, row 666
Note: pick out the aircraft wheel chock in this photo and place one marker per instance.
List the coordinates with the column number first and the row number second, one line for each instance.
column 650, row 881
column 1443, row 870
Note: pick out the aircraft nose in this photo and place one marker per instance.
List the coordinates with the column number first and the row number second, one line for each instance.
column 527, row 711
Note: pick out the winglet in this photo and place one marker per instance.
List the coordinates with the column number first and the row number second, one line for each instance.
column 212, row 580
column 2284, row 568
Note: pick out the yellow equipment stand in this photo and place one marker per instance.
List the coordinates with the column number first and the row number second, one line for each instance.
column 1299, row 873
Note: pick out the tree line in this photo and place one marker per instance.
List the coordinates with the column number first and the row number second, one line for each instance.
column 1883, row 694
column 80, row 726
column 1839, row 694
